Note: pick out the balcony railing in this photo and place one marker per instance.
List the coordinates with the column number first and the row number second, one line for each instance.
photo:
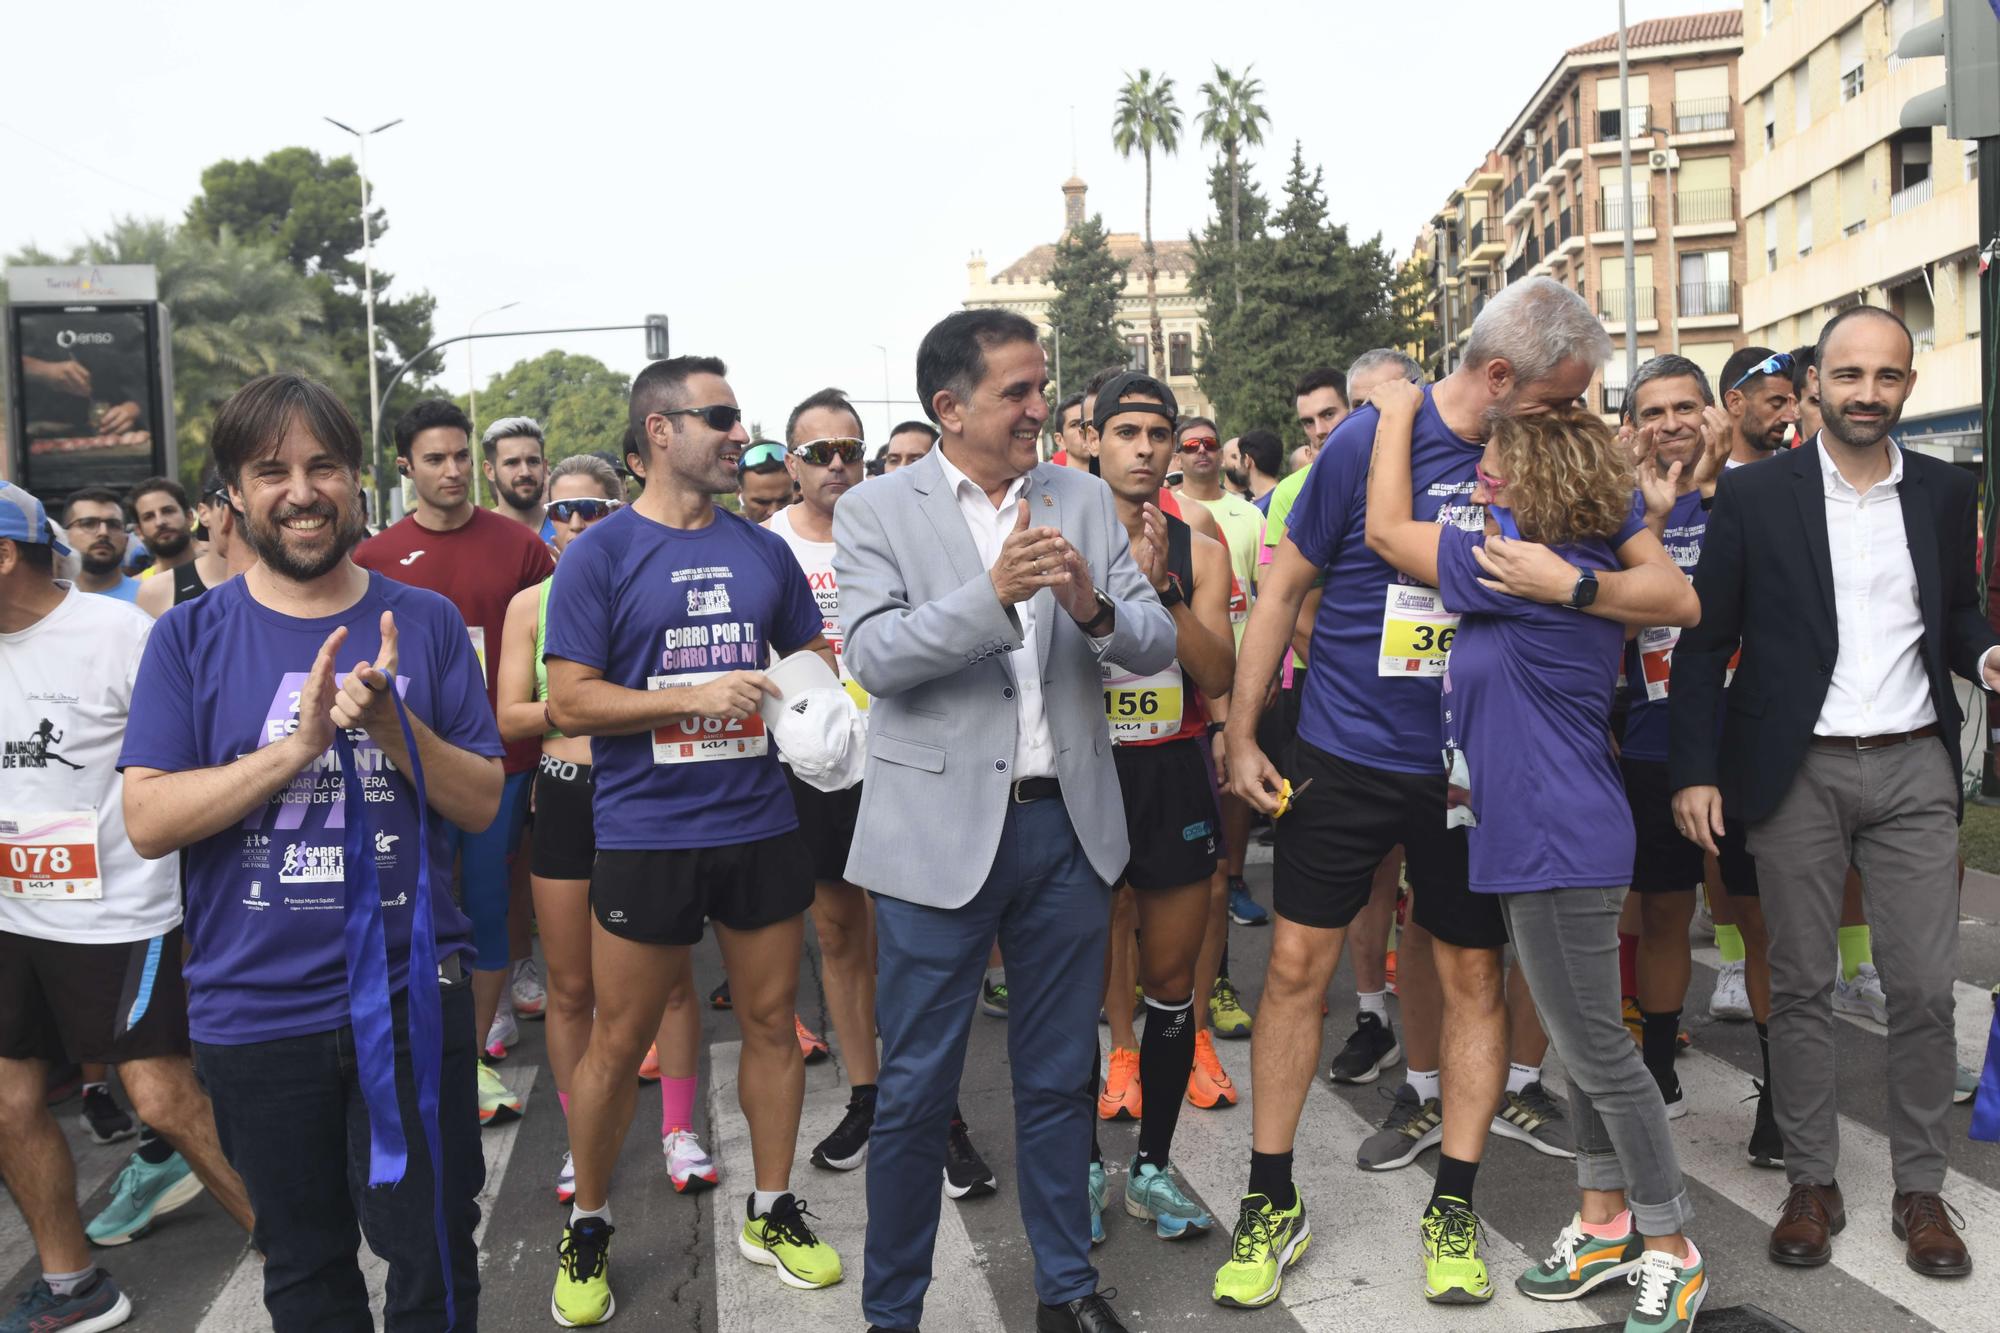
column 1925, row 340
column 1607, row 123
column 1532, row 252
column 1562, row 137
column 1611, row 210
column 1705, row 298
column 1702, row 113
column 1907, row 198
column 1569, row 222
column 1614, row 400
column 1476, row 235
column 1549, row 238
column 1705, row 205
column 1511, row 195
column 1548, row 153
column 1611, row 303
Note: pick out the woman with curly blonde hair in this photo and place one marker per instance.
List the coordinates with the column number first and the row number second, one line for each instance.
column 1527, row 715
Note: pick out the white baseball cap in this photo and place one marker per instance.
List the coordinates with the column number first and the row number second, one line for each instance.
column 819, row 731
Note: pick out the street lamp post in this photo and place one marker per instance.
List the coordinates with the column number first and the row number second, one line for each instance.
column 888, row 412
column 368, row 271
column 472, row 384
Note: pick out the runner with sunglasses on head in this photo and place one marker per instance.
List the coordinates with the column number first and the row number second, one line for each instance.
column 583, row 490
column 662, row 620
column 825, row 461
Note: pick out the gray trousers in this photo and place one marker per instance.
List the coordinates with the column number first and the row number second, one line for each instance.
column 1567, row 941
column 1893, row 814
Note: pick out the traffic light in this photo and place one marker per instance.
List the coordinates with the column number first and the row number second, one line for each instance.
column 1968, row 37
column 656, row 338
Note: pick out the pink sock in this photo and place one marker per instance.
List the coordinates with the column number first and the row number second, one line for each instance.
column 1620, row 1225
column 676, row 1104
column 563, row 1097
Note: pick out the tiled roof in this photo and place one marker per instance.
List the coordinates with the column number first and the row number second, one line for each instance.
column 1127, row 247
column 1670, row 32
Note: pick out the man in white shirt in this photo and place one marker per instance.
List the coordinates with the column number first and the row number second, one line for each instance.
column 90, row 940
column 1846, row 571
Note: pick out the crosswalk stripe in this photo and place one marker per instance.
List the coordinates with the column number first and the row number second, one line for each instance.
column 749, row 1297
column 1711, row 1139
column 239, row 1306
column 1348, row 1274
column 96, row 1164
column 1973, row 1013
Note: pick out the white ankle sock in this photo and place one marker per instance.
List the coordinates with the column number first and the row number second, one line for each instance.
column 1425, row 1081
column 1520, row 1076
column 578, row 1212
column 1374, row 1002
column 762, row 1201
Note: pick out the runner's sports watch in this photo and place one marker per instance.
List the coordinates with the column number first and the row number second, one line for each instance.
column 1173, row 595
column 1585, row 591
column 1106, row 611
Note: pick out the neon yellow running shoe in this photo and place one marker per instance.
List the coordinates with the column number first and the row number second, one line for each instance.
column 781, row 1239
column 583, row 1280
column 1454, row 1274
column 1266, row 1242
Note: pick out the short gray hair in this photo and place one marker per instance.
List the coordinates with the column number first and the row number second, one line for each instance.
column 1534, row 326
column 1376, row 358
column 508, row 428
column 1667, row 367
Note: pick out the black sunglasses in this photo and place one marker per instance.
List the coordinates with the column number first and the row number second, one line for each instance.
column 819, row 453
column 562, row 511
column 721, row 416
column 1778, row 363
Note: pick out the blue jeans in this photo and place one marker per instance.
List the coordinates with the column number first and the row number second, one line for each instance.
column 1567, row 941
column 483, row 874
column 291, row 1120
column 1051, row 914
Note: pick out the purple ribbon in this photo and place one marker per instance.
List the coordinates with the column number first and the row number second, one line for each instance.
column 1986, row 1102
column 369, row 1002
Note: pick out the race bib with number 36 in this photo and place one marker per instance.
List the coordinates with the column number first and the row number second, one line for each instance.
column 1416, row 631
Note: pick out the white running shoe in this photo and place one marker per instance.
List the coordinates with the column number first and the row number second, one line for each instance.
column 505, row 1031
column 688, row 1166
column 1862, row 996
column 530, row 1000
column 566, row 1181
column 1704, row 919
column 1731, row 1000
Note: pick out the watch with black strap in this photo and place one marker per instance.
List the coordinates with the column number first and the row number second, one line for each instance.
column 1100, row 624
column 1585, row 591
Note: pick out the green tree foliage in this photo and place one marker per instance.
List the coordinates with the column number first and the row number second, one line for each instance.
column 309, row 207
column 1310, row 298
column 1234, row 118
column 1147, row 117
column 579, row 401
column 1088, row 281
column 239, row 310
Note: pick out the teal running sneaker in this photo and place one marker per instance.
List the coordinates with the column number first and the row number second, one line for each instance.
column 1579, row 1264
column 1153, row 1195
column 1099, row 1188
column 1670, row 1291
column 144, row 1191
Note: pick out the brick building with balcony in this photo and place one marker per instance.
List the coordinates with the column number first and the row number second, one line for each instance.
column 1550, row 200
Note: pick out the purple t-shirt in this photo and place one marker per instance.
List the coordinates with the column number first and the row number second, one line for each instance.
column 1527, row 706
column 654, row 607
column 1649, row 656
column 1363, row 700
column 266, row 898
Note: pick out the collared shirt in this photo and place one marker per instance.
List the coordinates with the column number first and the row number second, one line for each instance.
column 1034, row 746
column 1879, row 683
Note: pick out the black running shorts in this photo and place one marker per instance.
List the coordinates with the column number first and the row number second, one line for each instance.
column 1335, row 835
column 1739, row 868
column 565, row 842
column 1664, row 861
column 662, row 897
column 91, row 1003
column 826, row 822
column 1170, row 814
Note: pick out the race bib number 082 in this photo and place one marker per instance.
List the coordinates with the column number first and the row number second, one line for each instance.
column 700, row 740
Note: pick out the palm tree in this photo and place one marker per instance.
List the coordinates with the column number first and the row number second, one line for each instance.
column 1234, row 117
column 1148, row 118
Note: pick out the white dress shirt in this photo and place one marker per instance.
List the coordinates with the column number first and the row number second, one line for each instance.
column 1879, row 682
column 989, row 524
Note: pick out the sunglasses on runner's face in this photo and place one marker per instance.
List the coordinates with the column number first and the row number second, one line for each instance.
column 719, row 416
column 757, row 455
column 1201, row 444
column 562, row 511
column 819, row 453
column 1778, row 363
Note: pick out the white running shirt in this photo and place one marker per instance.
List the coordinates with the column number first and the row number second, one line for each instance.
column 816, row 559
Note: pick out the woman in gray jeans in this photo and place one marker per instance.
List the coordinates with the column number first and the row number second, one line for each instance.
column 1527, row 705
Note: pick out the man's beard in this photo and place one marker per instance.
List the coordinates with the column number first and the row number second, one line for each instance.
column 1858, row 434
column 169, row 544
column 521, row 503
column 97, row 566
column 1240, row 480
column 267, row 539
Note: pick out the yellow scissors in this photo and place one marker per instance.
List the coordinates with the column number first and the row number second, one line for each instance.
column 1286, row 796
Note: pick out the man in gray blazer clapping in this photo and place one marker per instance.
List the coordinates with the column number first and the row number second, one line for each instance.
column 980, row 590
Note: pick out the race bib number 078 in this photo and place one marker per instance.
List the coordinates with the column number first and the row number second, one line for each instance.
column 700, row 740
column 49, row 855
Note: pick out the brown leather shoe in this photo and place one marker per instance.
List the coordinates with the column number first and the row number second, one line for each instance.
column 1925, row 1221
column 1807, row 1224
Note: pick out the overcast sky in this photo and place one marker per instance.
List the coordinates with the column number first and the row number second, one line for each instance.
column 792, row 184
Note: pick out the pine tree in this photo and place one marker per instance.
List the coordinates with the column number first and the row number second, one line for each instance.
column 1088, row 282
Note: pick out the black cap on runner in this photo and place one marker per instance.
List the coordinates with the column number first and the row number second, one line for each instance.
column 1107, row 406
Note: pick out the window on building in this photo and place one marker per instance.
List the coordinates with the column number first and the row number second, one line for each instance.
column 1802, row 220
column 1767, row 15
column 1615, row 371
column 1770, row 101
column 1611, row 294
column 1705, row 288
column 1611, row 197
column 1853, row 197
column 1180, row 354
column 1710, row 356
column 1801, row 98
column 1971, row 161
column 1853, row 63
column 1638, row 97
column 1701, row 190
column 1913, row 158
column 1902, row 17
column 1135, row 353
column 1913, row 302
column 1770, row 238
column 1701, row 99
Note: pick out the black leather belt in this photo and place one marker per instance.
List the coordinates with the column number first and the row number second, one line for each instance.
column 1881, row 742
column 1035, row 789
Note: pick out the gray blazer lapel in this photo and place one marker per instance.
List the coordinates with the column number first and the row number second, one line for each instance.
column 940, row 506
column 1044, row 511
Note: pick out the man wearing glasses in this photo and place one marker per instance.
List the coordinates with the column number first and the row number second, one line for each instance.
column 94, row 518
column 1759, row 401
column 662, row 619
column 763, row 483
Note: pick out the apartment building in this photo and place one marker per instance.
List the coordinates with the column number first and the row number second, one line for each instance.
column 1842, row 207
column 1550, row 199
